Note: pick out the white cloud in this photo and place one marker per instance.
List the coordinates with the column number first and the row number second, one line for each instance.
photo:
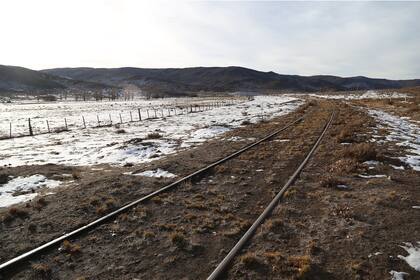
column 371, row 39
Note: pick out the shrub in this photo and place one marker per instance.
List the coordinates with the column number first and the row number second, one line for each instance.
column 4, row 179
column 71, row 248
column 154, row 135
column 178, row 239
column 329, row 181
column 360, row 152
column 42, row 270
column 251, row 261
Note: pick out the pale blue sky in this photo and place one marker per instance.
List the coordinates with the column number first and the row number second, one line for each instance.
column 377, row 39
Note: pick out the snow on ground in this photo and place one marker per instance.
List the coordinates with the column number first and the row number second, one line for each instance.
column 402, row 131
column 156, row 173
column 413, row 258
column 21, row 189
column 55, row 113
column 93, row 146
column 395, row 275
column 370, row 94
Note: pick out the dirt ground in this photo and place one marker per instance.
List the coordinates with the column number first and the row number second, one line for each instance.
column 320, row 230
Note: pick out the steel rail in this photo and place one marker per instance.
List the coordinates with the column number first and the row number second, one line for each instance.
column 14, row 261
column 223, row 265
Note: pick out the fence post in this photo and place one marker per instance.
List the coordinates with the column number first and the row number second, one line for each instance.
column 139, row 114
column 120, row 119
column 155, row 113
column 148, row 116
column 99, row 122
column 84, row 123
column 131, row 117
column 110, row 119
column 10, row 134
column 31, row 133
column 169, row 111
column 161, row 110
column 48, row 126
column 65, row 121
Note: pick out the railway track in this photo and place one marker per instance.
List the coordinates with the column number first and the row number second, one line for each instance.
column 224, row 264
column 14, row 263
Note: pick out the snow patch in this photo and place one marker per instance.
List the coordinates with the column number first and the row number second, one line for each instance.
column 370, row 94
column 395, row 275
column 413, row 258
column 372, row 176
column 405, row 133
column 21, row 189
column 156, row 173
column 343, row 187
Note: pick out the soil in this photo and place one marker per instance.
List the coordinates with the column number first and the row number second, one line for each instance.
column 320, row 230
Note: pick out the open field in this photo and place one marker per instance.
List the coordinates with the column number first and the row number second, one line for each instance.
column 351, row 214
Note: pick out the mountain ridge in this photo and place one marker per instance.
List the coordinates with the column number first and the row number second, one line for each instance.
column 173, row 81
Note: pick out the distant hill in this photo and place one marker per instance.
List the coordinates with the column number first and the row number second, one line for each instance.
column 175, row 81
column 15, row 79
column 224, row 79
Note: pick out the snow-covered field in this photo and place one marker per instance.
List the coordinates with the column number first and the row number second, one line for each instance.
column 130, row 143
column 106, row 111
column 370, row 94
column 404, row 133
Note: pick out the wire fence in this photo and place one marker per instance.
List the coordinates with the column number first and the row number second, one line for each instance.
column 36, row 126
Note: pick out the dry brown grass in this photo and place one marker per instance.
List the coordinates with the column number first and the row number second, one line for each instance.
column 303, row 265
column 345, row 166
column 14, row 213
column 41, row 270
column 329, row 181
column 76, row 174
column 106, row 206
column 360, row 152
column 251, row 261
column 179, row 240
column 71, row 248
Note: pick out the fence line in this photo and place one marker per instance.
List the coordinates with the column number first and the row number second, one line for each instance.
column 186, row 109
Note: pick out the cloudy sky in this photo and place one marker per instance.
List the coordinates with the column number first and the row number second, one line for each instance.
column 377, row 39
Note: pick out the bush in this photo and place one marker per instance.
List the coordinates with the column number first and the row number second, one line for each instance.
column 154, row 135
column 361, row 152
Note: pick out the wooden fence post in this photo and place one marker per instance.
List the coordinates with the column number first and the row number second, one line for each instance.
column 84, row 123
column 31, row 133
column 155, row 113
column 65, row 121
column 139, row 114
column 131, row 117
column 148, row 116
column 99, row 122
column 110, row 119
column 48, row 126
column 10, row 134
column 120, row 119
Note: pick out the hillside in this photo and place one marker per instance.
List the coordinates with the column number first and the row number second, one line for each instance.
column 18, row 79
column 224, row 79
column 179, row 80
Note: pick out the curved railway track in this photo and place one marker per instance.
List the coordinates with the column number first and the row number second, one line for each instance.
column 14, row 263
